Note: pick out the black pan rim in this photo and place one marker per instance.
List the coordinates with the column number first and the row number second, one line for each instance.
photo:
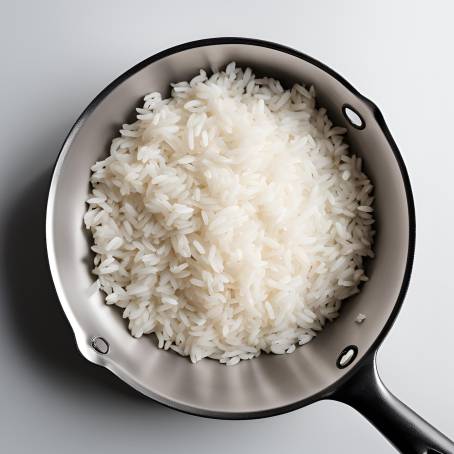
column 330, row 390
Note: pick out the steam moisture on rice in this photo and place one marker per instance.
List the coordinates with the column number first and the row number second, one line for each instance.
column 230, row 218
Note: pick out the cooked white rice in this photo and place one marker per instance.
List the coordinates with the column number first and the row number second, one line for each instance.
column 230, row 219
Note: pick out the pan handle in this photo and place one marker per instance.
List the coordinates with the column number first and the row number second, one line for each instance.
column 407, row 431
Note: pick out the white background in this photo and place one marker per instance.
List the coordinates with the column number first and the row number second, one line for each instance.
column 56, row 56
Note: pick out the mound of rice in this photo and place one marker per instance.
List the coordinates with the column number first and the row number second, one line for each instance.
column 229, row 219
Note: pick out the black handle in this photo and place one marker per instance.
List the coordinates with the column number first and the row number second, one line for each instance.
column 407, row 431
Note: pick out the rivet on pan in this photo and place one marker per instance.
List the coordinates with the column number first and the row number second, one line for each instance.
column 100, row 345
column 347, row 356
column 353, row 117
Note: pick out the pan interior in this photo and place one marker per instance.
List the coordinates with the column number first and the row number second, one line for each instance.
column 271, row 382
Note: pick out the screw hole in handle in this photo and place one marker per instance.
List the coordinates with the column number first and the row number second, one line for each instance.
column 353, row 117
column 347, row 356
column 100, row 345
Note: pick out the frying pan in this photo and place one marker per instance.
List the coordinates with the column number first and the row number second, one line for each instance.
column 340, row 363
